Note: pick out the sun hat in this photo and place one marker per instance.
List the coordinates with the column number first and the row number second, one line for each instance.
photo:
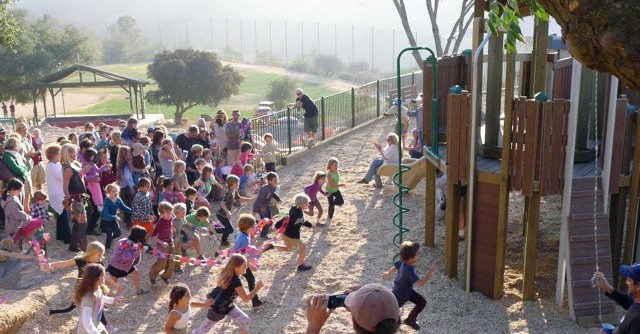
column 632, row 271
column 372, row 304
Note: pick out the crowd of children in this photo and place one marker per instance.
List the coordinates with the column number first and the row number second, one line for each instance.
column 167, row 197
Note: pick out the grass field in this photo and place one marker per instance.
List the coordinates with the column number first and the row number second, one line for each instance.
column 253, row 90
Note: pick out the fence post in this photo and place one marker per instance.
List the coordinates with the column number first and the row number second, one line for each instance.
column 377, row 98
column 322, row 124
column 289, row 128
column 353, row 107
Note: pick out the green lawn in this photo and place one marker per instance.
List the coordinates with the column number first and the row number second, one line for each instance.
column 254, row 88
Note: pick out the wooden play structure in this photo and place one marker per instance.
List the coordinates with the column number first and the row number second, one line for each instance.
column 568, row 132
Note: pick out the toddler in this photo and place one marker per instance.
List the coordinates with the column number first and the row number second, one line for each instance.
column 247, row 182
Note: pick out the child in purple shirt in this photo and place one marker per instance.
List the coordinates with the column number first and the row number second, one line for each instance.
column 405, row 278
column 312, row 191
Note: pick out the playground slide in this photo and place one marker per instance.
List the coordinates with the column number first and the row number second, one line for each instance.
column 411, row 178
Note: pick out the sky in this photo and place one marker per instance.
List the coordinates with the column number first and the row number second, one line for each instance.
column 364, row 28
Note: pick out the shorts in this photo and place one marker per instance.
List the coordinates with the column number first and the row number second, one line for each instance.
column 37, row 174
column 146, row 225
column 311, row 124
column 117, row 273
column 78, row 211
column 292, row 243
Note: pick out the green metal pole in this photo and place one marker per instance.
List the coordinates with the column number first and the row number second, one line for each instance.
column 397, row 178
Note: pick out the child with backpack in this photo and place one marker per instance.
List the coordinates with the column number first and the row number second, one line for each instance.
column 292, row 230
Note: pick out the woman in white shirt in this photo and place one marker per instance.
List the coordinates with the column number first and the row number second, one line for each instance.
column 218, row 127
column 53, row 177
column 389, row 155
column 90, row 296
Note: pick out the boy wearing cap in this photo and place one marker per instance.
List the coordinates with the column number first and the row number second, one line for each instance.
column 373, row 307
column 405, row 278
column 630, row 322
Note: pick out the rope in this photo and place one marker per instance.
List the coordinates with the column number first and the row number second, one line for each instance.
column 595, row 194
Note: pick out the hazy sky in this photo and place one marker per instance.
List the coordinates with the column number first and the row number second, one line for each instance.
column 378, row 13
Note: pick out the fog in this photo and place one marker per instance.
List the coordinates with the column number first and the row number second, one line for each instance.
column 354, row 30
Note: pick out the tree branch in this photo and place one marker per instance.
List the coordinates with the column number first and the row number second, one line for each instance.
column 402, row 11
column 434, row 27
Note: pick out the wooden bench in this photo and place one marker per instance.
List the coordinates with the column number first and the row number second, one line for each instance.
column 8, row 120
column 408, row 92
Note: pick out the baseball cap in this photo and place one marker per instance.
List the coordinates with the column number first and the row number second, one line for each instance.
column 632, row 271
column 372, row 304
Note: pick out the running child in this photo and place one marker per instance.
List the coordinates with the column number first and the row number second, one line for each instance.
column 223, row 214
column 292, row 230
column 180, row 305
column 333, row 188
column 91, row 296
column 246, row 225
column 143, row 207
column 127, row 256
column 94, row 254
column 405, row 278
column 224, row 295
column 163, row 236
column 263, row 201
column 189, row 229
column 243, row 158
column 109, row 214
column 312, row 191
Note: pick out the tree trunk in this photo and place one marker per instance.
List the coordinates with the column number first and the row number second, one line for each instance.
column 177, row 117
column 402, row 11
column 602, row 34
column 435, row 29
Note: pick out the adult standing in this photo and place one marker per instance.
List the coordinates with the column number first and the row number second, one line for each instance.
column 12, row 109
column 185, row 140
column 388, row 155
column 28, row 153
column 14, row 160
column 5, row 110
column 218, row 126
column 233, row 130
column 54, row 179
column 155, row 148
column 418, row 114
column 310, row 115
column 3, row 139
column 75, row 201
column 630, row 322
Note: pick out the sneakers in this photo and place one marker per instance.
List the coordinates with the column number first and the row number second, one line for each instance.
column 328, row 222
column 363, row 181
column 304, row 267
column 112, row 329
column 165, row 280
column 178, row 270
column 201, row 257
column 267, row 247
column 94, row 232
column 257, row 303
column 411, row 324
column 142, row 292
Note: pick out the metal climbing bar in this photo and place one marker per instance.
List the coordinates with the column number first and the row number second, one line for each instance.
column 397, row 178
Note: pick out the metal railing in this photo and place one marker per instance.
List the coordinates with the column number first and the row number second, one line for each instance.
column 337, row 113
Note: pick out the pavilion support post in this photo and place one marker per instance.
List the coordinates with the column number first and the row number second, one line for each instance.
column 142, row 103
column 53, row 102
column 135, row 92
column 130, row 101
column 44, row 102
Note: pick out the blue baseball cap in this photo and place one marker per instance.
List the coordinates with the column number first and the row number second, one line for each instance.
column 632, row 271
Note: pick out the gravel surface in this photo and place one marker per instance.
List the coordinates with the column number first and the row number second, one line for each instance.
column 355, row 250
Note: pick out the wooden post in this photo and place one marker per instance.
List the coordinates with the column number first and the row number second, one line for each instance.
column 142, row 103
column 429, row 206
column 494, row 95
column 503, row 212
column 562, row 273
column 633, row 201
column 539, row 59
column 451, row 229
column 427, row 96
column 135, row 91
column 130, row 100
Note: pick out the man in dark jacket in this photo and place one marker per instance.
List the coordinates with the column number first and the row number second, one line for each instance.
column 630, row 322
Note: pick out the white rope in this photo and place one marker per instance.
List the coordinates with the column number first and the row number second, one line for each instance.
column 595, row 193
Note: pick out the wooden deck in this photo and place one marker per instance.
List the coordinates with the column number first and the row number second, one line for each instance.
column 583, row 169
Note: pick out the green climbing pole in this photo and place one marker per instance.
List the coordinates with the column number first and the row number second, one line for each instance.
column 433, row 151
